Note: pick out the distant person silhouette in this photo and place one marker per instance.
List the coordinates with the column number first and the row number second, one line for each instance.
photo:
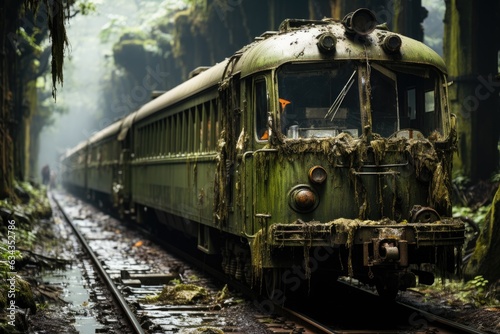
column 46, row 175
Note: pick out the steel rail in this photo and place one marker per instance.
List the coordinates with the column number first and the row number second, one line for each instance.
column 439, row 322
column 136, row 326
column 460, row 328
column 306, row 321
column 298, row 318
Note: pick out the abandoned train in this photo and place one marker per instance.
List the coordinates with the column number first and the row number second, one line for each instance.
column 325, row 146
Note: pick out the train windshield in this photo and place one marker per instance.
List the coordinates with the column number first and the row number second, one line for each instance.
column 324, row 100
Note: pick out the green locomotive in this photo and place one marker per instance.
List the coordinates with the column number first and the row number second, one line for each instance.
column 321, row 150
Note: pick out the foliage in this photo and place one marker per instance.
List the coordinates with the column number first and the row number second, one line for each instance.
column 461, row 181
column 477, row 216
column 113, row 27
column 495, row 177
column 86, row 7
column 56, row 16
column 6, row 256
column 472, row 292
column 151, row 15
column 475, row 292
column 37, row 206
column 42, row 306
column 473, row 199
column 28, row 40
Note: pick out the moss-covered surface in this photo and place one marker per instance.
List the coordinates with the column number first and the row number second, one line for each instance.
column 180, row 294
column 429, row 160
column 485, row 260
column 18, row 216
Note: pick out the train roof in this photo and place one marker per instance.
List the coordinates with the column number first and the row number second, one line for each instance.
column 75, row 149
column 205, row 80
column 296, row 41
column 109, row 131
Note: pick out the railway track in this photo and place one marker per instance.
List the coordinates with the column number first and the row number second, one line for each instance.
column 117, row 295
column 132, row 280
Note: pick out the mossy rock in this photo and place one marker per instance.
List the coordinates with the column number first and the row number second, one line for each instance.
column 24, row 295
column 4, row 288
column 5, row 328
column 181, row 294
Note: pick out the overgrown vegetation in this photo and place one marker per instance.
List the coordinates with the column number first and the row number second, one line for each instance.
column 18, row 216
column 180, row 294
column 472, row 202
column 477, row 292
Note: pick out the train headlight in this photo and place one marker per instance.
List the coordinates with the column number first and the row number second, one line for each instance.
column 392, row 43
column 317, row 174
column 362, row 21
column 327, row 42
column 303, row 198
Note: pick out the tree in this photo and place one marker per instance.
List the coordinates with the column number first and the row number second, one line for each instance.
column 23, row 26
column 485, row 260
column 472, row 60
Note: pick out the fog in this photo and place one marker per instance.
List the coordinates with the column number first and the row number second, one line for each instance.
column 87, row 67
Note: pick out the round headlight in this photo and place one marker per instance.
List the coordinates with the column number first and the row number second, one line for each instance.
column 362, row 21
column 392, row 43
column 327, row 42
column 317, row 174
column 303, row 198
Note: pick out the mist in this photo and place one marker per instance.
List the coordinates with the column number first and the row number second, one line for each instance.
column 88, row 67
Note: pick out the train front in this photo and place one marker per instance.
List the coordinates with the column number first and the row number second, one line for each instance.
column 355, row 176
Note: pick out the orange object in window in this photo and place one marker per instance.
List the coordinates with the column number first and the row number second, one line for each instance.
column 284, row 103
column 265, row 136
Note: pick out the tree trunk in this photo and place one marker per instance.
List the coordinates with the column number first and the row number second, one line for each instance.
column 485, row 260
column 9, row 10
column 471, row 56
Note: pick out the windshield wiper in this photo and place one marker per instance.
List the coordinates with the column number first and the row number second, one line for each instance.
column 338, row 101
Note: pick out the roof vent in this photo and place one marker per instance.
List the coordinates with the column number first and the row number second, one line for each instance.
column 266, row 35
column 197, row 71
column 156, row 93
column 291, row 24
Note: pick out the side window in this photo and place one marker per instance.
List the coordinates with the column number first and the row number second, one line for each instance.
column 411, row 103
column 429, row 101
column 261, row 109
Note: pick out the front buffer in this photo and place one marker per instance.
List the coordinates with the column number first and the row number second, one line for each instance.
column 383, row 253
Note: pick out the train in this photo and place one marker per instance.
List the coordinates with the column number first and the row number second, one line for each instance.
column 321, row 150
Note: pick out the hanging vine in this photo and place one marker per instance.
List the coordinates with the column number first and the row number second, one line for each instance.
column 56, row 13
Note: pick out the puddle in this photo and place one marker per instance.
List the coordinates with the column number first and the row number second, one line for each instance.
column 76, row 293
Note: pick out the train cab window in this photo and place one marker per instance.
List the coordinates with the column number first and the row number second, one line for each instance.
column 261, row 110
column 324, row 100
column 319, row 100
column 383, row 100
column 420, row 90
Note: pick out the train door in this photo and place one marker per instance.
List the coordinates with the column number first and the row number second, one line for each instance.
column 258, row 133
